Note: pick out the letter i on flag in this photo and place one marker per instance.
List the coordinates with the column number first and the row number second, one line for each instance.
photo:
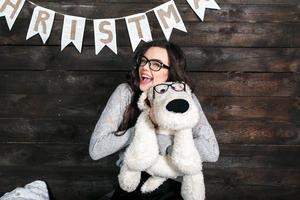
column 11, row 9
column 41, row 23
column 138, row 29
column 199, row 6
column 105, row 34
column 169, row 18
column 73, row 30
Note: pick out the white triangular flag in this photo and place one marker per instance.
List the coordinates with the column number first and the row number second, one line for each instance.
column 199, row 6
column 73, row 30
column 169, row 18
column 138, row 29
column 105, row 34
column 11, row 9
column 41, row 23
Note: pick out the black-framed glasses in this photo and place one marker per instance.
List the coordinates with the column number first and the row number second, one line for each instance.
column 163, row 87
column 154, row 64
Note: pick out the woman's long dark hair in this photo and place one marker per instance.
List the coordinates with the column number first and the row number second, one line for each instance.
column 177, row 63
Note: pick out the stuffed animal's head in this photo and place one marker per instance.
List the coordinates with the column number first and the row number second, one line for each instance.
column 173, row 105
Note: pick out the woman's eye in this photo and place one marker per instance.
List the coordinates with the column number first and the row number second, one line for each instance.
column 143, row 62
column 156, row 64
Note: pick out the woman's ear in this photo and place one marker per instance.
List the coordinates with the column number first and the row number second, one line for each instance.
column 143, row 102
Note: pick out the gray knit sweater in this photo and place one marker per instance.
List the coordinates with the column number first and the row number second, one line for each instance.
column 104, row 142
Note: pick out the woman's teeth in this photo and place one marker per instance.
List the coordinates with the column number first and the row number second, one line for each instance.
column 147, row 78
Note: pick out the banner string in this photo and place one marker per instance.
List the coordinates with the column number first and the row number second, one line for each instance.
column 133, row 30
column 119, row 18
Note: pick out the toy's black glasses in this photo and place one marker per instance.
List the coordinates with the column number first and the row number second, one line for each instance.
column 163, row 87
column 154, row 64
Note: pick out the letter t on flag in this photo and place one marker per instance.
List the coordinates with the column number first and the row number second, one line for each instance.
column 11, row 9
column 138, row 29
column 41, row 23
column 199, row 6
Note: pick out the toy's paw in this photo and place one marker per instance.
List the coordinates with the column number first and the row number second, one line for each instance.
column 140, row 163
column 193, row 187
column 188, row 168
column 152, row 184
column 129, row 180
column 188, row 164
column 163, row 168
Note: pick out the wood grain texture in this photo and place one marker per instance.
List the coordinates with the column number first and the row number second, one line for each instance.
column 208, row 34
column 54, row 155
column 244, row 60
column 78, row 131
column 216, row 108
column 99, row 83
column 243, row 2
column 229, row 176
column 214, row 59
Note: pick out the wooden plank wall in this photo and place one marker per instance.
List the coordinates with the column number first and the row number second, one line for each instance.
column 244, row 59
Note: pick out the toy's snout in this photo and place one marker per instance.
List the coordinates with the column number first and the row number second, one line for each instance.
column 178, row 106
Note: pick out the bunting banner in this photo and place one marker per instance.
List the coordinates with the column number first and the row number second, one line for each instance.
column 73, row 30
column 199, row 6
column 10, row 9
column 169, row 18
column 138, row 29
column 105, row 34
column 41, row 23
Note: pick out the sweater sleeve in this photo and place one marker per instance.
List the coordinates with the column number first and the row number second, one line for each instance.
column 103, row 141
column 204, row 137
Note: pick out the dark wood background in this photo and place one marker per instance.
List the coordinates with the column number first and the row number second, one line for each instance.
column 244, row 59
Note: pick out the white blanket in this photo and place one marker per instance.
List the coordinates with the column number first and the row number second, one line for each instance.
column 36, row 190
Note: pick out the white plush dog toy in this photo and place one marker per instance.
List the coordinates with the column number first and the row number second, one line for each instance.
column 176, row 114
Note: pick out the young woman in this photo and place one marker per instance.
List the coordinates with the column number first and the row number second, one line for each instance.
column 155, row 62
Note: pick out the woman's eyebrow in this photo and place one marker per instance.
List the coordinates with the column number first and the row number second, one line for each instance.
column 154, row 59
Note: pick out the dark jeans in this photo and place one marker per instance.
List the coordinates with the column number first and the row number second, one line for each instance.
column 169, row 190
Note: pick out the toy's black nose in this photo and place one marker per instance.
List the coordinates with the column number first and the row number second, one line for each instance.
column 178, row 106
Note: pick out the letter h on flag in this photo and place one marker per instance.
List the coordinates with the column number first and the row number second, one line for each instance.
column 11, row 9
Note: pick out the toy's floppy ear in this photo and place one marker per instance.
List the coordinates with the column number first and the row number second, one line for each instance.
column 143, row 102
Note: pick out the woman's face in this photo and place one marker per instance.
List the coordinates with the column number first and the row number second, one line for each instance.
column 148, row 77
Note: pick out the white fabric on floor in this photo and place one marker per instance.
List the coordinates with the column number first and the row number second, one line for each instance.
column 36, row 190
